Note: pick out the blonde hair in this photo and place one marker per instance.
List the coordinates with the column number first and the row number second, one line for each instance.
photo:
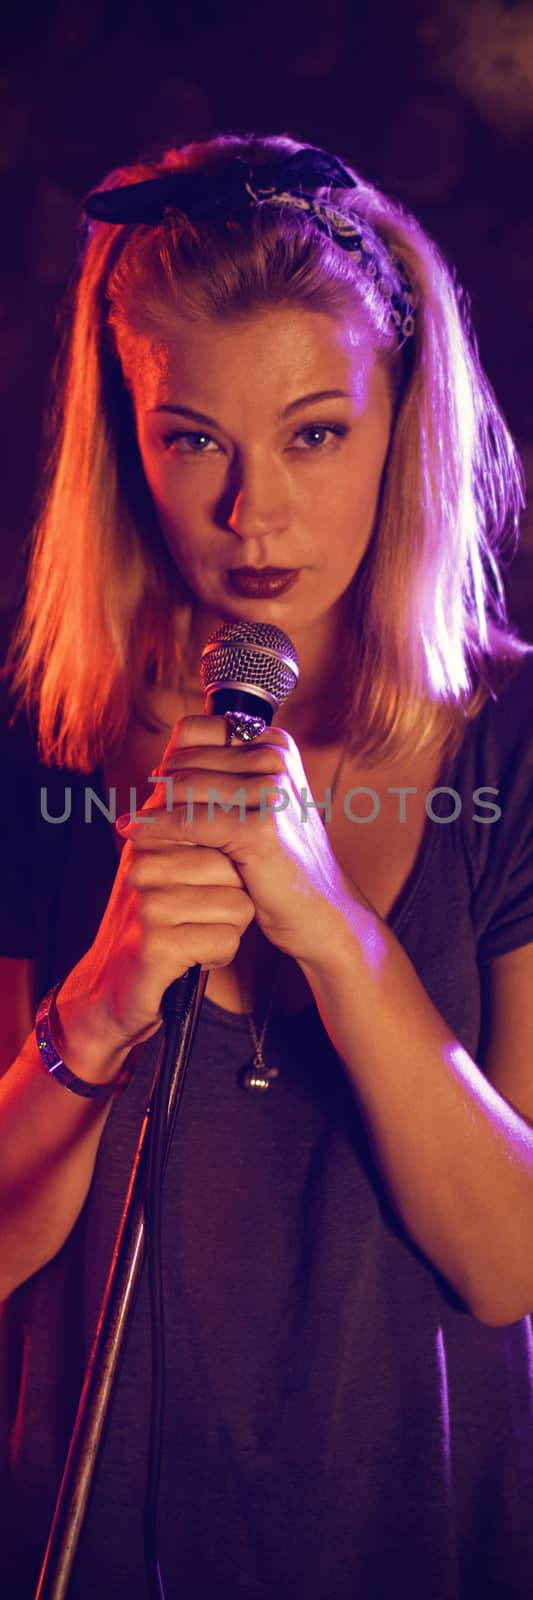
column 106, row 614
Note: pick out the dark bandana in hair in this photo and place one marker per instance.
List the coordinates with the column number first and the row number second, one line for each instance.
column 287, row 181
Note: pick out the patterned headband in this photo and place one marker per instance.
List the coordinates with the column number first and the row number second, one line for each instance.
column 287, row 182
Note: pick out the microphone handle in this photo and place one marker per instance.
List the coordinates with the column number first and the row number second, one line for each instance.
column 229, row 698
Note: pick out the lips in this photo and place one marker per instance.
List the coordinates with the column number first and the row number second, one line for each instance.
column 262, row 572
column 261, row 581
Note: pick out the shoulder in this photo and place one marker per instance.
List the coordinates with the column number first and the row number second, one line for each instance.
column 25, row 775
column 18, row 730
column 495, row 746
column 508, row 698
column 494, row 775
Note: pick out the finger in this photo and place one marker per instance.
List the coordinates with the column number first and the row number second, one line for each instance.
column 197, row 865
column 190, row 731
column 219, row 759
column 238, row 791
column 215, row 823
column 189, row 903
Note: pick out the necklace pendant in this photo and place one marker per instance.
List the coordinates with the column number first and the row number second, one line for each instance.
column 257, row 1077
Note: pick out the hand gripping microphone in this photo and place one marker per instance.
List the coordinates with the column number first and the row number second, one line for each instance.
column 247, row 667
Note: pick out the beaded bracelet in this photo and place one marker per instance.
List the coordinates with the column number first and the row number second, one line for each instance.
column 53, row 1062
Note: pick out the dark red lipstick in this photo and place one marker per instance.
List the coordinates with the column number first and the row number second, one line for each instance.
column 261, row 582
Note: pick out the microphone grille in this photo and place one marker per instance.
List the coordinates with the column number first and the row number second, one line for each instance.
column 250, row 654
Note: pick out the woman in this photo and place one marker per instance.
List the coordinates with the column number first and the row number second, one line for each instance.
column 270, row 409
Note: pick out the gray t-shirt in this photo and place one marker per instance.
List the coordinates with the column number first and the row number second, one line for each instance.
column 337, row 1423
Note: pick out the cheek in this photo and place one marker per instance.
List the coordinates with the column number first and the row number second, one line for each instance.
column 181, row 524
column 346, row 519
column 366, row 476
column 348, row 501
column 152, row 466
column 174, row 500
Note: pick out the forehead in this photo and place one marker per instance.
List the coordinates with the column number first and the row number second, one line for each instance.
column 276, row 351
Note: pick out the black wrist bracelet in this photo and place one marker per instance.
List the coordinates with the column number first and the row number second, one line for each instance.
column 57, row 1068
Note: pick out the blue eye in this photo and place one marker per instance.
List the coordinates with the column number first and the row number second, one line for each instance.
column 176, row 438
column 338, row 429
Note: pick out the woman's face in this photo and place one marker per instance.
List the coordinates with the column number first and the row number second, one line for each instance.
column 263, row 443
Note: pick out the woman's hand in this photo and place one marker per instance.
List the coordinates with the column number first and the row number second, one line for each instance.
column 171, row 907
column 276, row 843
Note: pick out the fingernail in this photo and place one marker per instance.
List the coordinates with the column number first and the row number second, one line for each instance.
column 123, row 822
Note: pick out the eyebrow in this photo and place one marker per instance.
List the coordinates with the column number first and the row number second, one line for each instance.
column 295, row 405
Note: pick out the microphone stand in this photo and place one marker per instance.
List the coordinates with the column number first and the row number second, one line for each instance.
column 180, row 1006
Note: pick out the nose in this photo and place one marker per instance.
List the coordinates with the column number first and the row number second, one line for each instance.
column 260, row 505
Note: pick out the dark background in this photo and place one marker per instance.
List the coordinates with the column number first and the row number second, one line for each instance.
column 432, row 99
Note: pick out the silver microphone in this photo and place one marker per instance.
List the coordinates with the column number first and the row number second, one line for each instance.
column 250, row 667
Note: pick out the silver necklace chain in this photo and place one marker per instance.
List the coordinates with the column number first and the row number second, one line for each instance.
column 259, row 1076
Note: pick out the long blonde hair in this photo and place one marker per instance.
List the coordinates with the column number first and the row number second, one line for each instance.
column 105, row 613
